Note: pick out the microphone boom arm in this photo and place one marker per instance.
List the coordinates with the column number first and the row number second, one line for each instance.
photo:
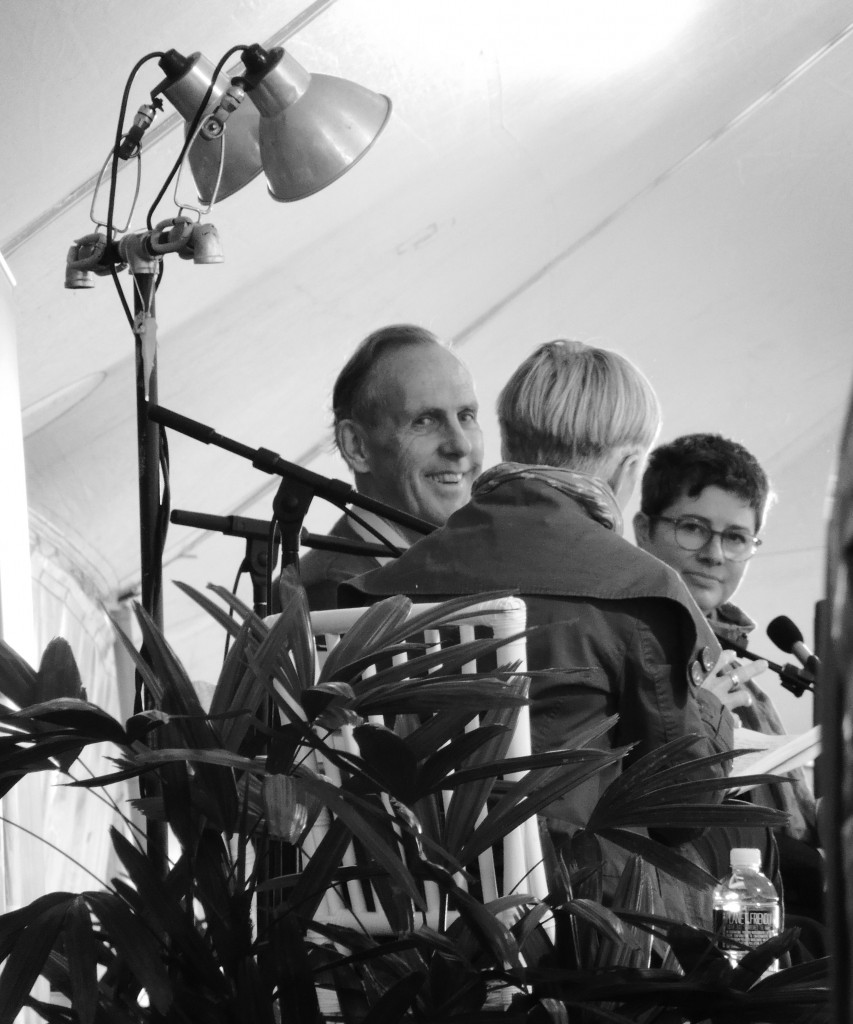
column 792, row 678
column 260, row 529
column 336, row 492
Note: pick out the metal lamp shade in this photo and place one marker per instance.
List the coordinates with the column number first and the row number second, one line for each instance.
column 313, row 127
column 242, row 157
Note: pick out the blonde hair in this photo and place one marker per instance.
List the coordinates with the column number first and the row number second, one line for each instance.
column 573, row 405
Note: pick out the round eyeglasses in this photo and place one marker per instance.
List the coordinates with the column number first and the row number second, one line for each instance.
column 692, row 534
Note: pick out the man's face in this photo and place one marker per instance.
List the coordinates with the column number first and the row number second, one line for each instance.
column 711, row 578
column 425, row 449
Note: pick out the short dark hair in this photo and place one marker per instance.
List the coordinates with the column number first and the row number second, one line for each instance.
column 352, row 397
column 693, row 462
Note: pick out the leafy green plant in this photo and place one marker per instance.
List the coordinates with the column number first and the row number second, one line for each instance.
column 231, row 930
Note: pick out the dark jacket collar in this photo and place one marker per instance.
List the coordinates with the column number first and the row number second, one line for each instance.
column 555, row 549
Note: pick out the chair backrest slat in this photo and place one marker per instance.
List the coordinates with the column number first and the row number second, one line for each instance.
column 523, row 870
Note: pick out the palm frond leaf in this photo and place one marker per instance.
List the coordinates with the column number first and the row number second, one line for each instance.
column 18, row 680
column 295, row 609
column 28, row 955
column 665, row 858
column 231, row 625
column 374, row 630
column 82, row 954
column 136, row 944
column 58, row 675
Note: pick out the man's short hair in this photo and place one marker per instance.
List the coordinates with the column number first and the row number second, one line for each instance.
column 692, row 462
column 352, row 396
column 571, row 404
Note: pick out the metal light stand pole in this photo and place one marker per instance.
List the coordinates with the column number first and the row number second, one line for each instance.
column 144, row 273
column 148, row 445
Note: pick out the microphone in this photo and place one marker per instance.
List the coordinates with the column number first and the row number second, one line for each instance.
column 788, row 638
column 232, row 526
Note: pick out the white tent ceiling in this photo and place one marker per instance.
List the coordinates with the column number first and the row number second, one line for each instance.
column 670, row 178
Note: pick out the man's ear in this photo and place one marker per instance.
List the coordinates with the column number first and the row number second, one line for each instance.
column 641, row 530
column 352, row 444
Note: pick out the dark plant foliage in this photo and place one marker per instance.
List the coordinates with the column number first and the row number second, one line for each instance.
column 371, row 756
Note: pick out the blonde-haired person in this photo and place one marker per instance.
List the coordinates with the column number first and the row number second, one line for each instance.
column 623, row 636
column 571, row 404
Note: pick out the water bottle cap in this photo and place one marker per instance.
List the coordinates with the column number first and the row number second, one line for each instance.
column 745, row 857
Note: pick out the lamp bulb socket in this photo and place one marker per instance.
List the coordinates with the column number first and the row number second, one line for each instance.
column 174, row 65
column 258, row 63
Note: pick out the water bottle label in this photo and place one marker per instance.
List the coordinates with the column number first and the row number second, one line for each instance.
column 746, row 926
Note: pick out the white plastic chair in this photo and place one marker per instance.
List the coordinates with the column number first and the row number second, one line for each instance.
column 523, row 870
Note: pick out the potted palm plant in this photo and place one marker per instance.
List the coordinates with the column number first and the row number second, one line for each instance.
column 231, row 928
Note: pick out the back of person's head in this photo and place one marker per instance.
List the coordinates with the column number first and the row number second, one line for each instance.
column 353, row 397
column 692, row 462
column 576, row 406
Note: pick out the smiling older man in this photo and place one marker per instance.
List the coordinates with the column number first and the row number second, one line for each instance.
column 406, row 424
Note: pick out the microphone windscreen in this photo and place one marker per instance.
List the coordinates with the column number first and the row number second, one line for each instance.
column 784, row 633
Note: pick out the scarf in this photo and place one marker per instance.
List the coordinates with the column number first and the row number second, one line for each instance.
column 593, row 495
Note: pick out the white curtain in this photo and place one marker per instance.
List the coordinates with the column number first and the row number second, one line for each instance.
column 68, row 603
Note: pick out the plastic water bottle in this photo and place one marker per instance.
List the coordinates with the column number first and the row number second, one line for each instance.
column 746, row 907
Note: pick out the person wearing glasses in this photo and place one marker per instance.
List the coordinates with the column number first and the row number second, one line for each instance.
column 703, row 503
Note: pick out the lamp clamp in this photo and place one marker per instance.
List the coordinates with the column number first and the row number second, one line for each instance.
column 130, row 144
column 91, row 254
column 213, row 125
